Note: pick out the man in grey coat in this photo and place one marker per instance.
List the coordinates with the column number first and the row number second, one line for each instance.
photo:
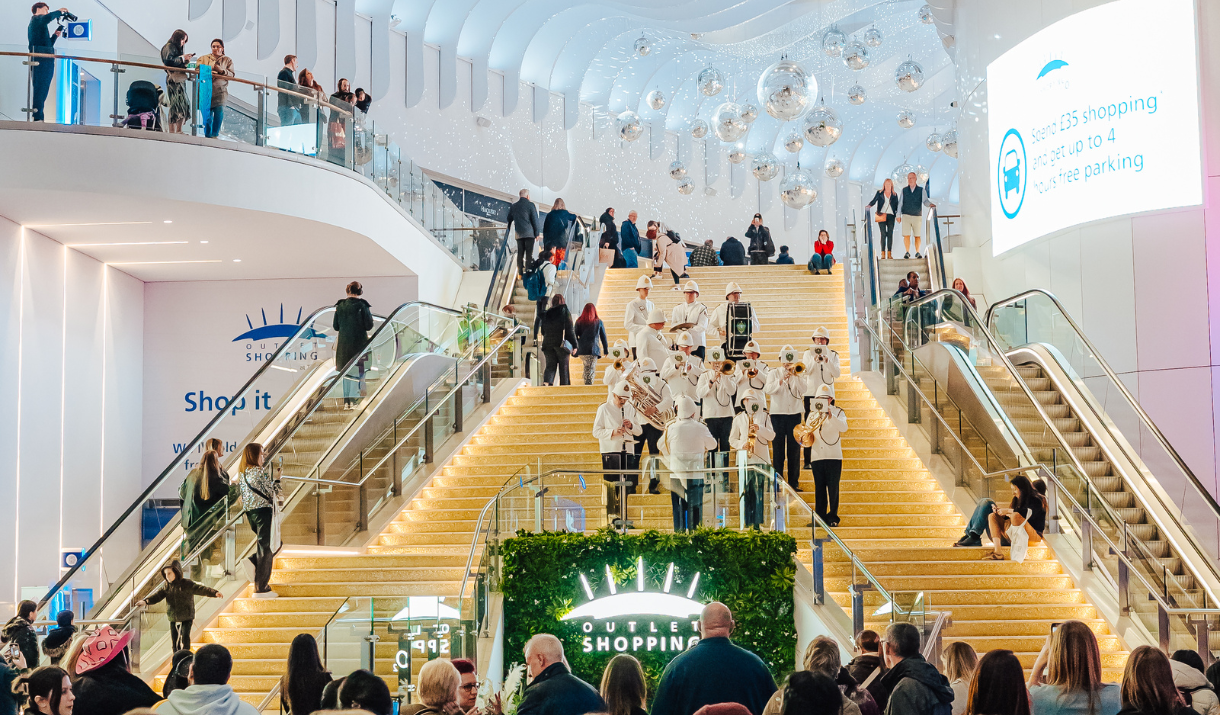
column 524, row 215
column 912, row 685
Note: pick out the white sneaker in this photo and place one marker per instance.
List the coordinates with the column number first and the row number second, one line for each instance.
column 267, row 594
column 676, row 288
column 247, row 569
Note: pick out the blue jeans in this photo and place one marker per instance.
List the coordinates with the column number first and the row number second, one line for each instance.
column 977, row 526
column 821, row 262
column 289, row 116
column 212, row 119
column 631, row 258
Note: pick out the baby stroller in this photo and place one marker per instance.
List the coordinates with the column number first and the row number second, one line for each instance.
column 143, row 106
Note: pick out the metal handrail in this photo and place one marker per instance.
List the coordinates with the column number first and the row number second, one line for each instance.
column 937, row 264
column 1096, row 356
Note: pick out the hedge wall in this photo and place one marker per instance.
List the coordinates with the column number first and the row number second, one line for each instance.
column 751, row 572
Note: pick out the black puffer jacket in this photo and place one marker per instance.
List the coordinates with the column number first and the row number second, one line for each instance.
column 179, row 596
column 732, row 253
column 557, row 327
column 19, row 631
column 353, row 320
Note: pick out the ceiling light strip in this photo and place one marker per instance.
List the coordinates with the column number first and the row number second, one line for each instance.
column 126, row 243
column 154, row 263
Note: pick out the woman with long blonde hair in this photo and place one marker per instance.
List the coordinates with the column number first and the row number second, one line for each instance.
column 959, row 662
column 259, row 487
column 885, row 202
column 1066, row 677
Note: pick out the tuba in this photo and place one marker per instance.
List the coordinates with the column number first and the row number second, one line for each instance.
column 806, row 432
column 646, row 397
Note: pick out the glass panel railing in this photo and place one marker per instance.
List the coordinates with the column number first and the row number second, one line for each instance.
column 140, row 93
column 1037, row 318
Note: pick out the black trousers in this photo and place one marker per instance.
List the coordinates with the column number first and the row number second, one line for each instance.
column 886, row 228
column 525, row 254
column 41, row 79
column 752, row 497
column 688, row 512
column 180, row 635
column 652, row 436
column 758, row 258
column 540, row 306
column 619, row 460
column 826, row 475
column 700, row 351
column 677, row 277
column 721, row 428
column 785, row 450
column 556, row 359
column 263, row 559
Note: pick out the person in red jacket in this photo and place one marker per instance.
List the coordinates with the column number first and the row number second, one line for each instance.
column 823, row 257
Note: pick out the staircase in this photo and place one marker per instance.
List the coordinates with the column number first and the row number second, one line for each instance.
column 890, row 271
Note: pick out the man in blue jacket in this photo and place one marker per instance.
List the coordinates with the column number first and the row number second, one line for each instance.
column 714, row 671
column 42, row 41
column 629, row 240
column 554, row 690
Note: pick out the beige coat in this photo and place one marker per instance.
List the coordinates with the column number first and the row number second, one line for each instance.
column 848, row 708
column 221, row 67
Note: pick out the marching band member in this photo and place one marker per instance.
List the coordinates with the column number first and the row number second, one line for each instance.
column 650, row 342
column 720, row 317
column 751, row 435
column 650, row 377
column 821, row 368
column 695, row 313
column 682, row 369
column 685, row 445
column 620, row 354
column 828, row 423
column 786, row 388
column 716, row 389
column 751, row 371
column 613, row 427
column 636, row 318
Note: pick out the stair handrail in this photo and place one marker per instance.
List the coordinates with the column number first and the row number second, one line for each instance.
column 576, row 265
column 1095, row 355
column 937, row 257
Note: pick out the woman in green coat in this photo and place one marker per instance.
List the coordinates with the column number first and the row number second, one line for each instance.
column 353, row 321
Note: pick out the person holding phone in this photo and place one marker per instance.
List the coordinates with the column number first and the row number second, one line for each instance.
column 259, row 491
column 174, row 54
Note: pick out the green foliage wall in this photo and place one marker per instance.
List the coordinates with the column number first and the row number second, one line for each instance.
column 751, row 572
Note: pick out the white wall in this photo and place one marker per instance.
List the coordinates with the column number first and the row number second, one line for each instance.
column 189, row 347
column 70, row 377
column 1138, row 285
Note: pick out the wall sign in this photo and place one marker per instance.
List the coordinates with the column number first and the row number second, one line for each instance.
column 637, row 619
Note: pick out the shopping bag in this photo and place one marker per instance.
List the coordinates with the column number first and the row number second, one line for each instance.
column 1018, row 536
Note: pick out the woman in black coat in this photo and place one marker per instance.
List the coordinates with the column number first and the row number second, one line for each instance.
column 761, row 245
column 885, row 207
column 20, row 630
column 556, row 330
column 353, row 321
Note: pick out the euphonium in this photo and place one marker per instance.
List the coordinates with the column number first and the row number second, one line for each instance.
column 804, row 433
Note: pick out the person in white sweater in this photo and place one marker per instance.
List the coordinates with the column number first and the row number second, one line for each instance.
column 620, row 351
column 821, row 368
column 682, row 369
column 717, row 389
column 751, row 371
column 686, row 443
column 827, row 464
column 693, row 312
column 718, row 324
column 636, row 314
column 651, row 342
column 673, row 253
column 754, row 411
column 615, row 426
column 650, row 376
column 787, row 390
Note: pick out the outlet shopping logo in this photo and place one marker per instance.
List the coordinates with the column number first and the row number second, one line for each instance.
column 261, row 341
column 1011, row 173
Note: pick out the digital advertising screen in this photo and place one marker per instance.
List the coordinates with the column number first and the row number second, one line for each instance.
column 1094, row 116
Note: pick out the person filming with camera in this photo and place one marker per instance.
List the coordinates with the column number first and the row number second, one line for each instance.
column 42, row 41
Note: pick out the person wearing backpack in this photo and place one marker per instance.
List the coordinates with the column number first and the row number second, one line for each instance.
column 539, row 282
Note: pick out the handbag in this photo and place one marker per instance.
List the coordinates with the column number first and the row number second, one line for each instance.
column 1019, row 538
column 880, row 218
column 338, row 135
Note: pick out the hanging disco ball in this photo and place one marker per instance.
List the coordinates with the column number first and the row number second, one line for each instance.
column 834, row 168
column 749, row 112
column 686, row 186
column 796, row 190
column 727, row 122
column 948, row 143
column 899, row 175
column 795, row 142
column 855, row 55
column 655, row 99
column 629, row 126
column 643, row 46
column 710, row 82
column 906, row 119
column 698, row 129
column 921, row 174
column 765, row 166
column 784, row 90
column 872, row 37
column 833, row 41
column 933, row 142
column 737, row 155
column 823, row 126
column 856, row 94
column 925, row 15
column 909, row 75
column 677, row 170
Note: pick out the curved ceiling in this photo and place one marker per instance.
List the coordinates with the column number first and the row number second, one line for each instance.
column 585, row 51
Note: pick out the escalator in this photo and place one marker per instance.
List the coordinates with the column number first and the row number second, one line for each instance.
column 332, row 428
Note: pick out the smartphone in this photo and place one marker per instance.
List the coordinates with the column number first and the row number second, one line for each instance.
column 1055, row 627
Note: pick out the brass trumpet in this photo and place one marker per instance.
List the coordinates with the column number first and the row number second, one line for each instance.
column 727, row 367
column 618, row 365
column 798, row 368
column 751, row 371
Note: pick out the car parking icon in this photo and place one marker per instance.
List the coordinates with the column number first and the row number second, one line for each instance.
column 1011, row 173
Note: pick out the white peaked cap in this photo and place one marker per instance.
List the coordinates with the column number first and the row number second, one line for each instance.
column 731, row 288
column 822, row 332
column 620, row 343
column 754, row 395
column 824, row 391
column 646, row 364
column 685, row 407
column 690, row 287
column 752, row 347
column 786, row 351
column 656, row 316
column 643, row 282
column 621, row 389
column 684, row 338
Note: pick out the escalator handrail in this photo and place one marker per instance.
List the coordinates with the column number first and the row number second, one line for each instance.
column 202, row 435
column 1096, row 355
column 938, row 263
column 503, row 266
column 873, row 275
